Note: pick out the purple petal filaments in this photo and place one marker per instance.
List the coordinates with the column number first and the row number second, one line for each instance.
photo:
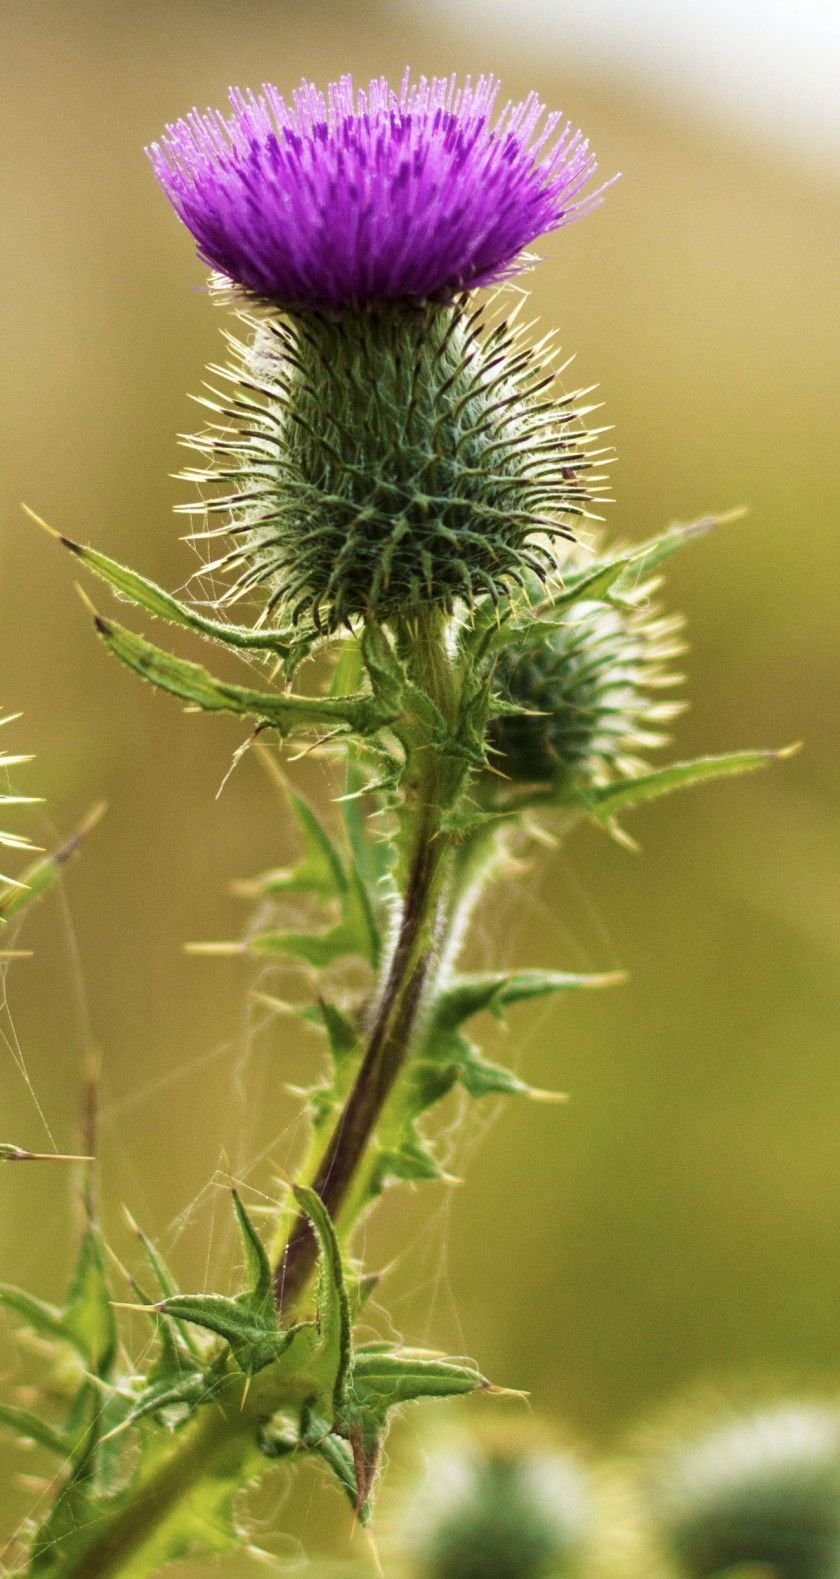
column 372, row 195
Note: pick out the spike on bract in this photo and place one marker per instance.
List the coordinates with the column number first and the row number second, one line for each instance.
column 391, row 458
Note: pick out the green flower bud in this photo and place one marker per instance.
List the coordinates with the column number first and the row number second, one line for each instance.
column 757, row 1488
column 496, row 1511
column 589, row 688
column 390, row 457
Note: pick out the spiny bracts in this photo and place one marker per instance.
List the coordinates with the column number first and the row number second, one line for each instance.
column 589, row 688
column 755, row 1487
column 400, row 456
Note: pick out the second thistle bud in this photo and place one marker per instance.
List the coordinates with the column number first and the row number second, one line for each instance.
column 589, row 693
column 502, row 1510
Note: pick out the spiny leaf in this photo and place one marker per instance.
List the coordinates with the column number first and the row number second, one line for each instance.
column 467, row 994
column 382, row 1379
column 606, row 802
column 32, row 1428
column 40, row 876
column 326, row 873
column 333, row 1309
column 592, row 585
column 259, row 1295
column 647, row 556
column 161, row 1396
column 89, row 1316
column 343, row 1036
column 339, row 1460
column 47, row 1321
column 155, row 600
column 254, row 1340
column 248, row 1322
column 165, row 1281
column 194, row 685
column 320, row 872
column 412, row 1161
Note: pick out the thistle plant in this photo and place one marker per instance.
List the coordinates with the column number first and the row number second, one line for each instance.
column 401, row 483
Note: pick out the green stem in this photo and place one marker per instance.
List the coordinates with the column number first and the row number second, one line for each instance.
column 132, row 1539
column 429, row 783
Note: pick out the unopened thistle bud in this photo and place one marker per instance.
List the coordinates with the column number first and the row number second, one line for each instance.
column 381, row 447
column 502, row 1510
column 758, row 1487
column 589, row 692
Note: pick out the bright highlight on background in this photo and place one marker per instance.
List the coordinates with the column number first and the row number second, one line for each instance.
column 774, row 65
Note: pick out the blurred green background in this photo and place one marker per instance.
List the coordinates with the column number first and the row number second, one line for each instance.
column 680, row 1216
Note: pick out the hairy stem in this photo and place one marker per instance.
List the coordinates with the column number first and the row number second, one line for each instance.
column 390, row 1036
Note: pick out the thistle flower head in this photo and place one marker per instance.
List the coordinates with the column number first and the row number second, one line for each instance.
column 591, row 692
column 502, row 1509
column 758, row 1485
column 349, row 197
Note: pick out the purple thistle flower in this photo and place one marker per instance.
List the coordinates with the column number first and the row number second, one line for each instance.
column 372, row 195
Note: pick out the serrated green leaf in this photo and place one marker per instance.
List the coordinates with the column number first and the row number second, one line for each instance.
column 248, row 1322
column 321, row 871
column 648, row 555
column 47, row 1321
column 341, row 1033
column 382, row 1378
column 332, row 1306
column 89, row 1315
column 155, row 600
column 194, row 685
column 625, row 795
column 254, row 1341
column 162, row 1396
column 412, row 1161
column 43, row 872
column 481, row 1078
column 467, row 994
column 592, row 584
column 167, row 1286
column 260, row 1296
column 32, row 1428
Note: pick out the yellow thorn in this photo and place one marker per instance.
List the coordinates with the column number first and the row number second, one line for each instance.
column 55, row 1156
column 789, row 751
column 535, row 1095
column 737, row 514
column 147, row 1310
column 610, row 978
column 505, row 1392
column 50, row 530
column 86, row 601
column 16, row 953
column 372, row 1547
column 215, row 948
column 91, row 819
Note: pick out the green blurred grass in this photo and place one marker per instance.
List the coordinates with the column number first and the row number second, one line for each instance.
column 680, row 1215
